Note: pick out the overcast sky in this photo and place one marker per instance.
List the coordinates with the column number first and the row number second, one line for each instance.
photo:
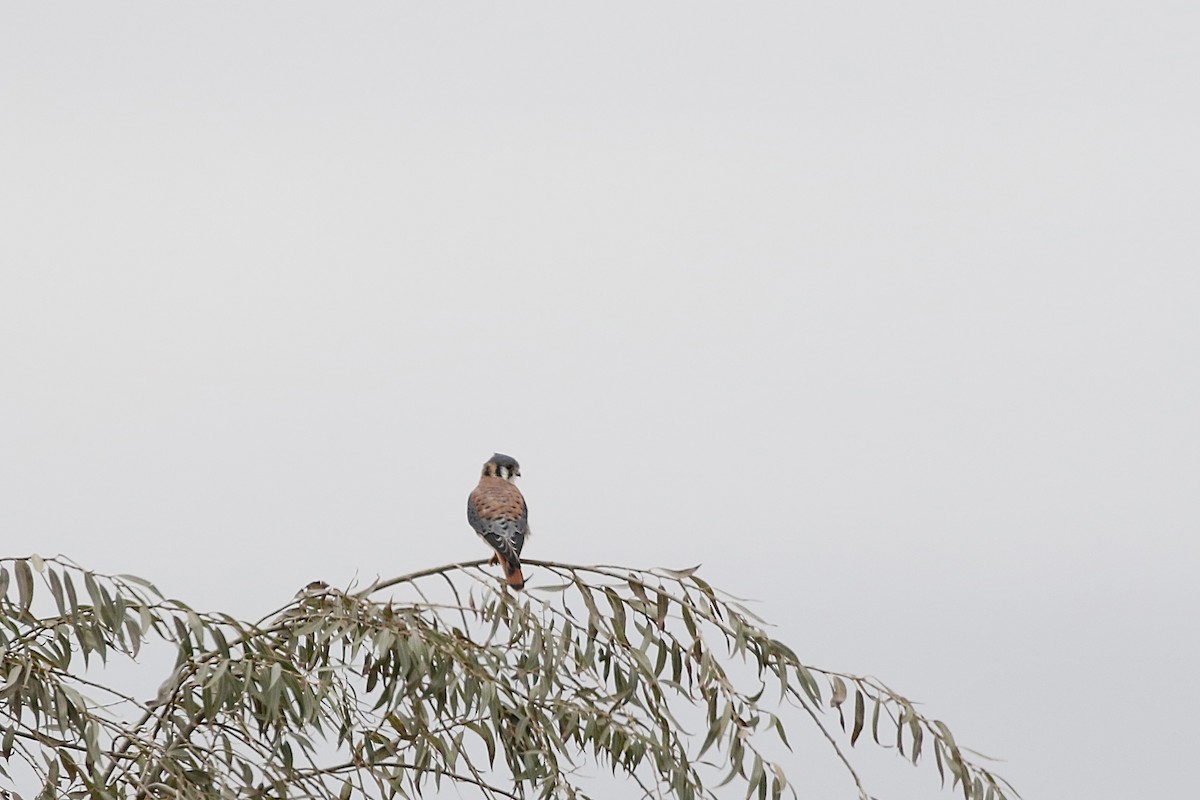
column 887, row 313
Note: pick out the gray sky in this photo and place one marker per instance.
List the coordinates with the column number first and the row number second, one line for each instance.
column 887, row 313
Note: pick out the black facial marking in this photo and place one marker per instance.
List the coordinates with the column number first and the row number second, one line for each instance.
column 501, row 460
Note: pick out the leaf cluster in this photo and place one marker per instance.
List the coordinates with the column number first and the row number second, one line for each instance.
column 451, row 679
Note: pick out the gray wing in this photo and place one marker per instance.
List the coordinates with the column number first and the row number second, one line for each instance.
column 506, row 536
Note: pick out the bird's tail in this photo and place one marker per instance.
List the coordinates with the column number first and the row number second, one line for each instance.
column 512, row 573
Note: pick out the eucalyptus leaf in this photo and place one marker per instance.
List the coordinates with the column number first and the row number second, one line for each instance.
column 24, row 584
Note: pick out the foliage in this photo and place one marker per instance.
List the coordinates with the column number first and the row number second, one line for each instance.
column 504, row 695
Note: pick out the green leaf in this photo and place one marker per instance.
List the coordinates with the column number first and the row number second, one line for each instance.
column 778, row 725
column 662, row 606
column 618, row 618
column 485, row 733
column 707, row 590
column 689, row 622
column 808, row 682
column 141, row 582
column 93, row 590
column 875, row 722
column 680, row 573
column 859, row 716
column 714, row 731
column 839, row 692
column 638, row 590
column 945, row 732
column 15, row 671
column 757, row 775
column 553, row 589
column 57, row 590
column 24, row 584
column 72, row 599
column 918, row 736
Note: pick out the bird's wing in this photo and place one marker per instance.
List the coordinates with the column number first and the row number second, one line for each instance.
column 497, row 512
column 505, row 536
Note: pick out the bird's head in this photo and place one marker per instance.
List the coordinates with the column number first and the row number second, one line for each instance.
column 502, row 466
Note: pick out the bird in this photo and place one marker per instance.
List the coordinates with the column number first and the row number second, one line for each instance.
column 496, row 510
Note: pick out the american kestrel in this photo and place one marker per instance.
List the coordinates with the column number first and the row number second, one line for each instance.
column 496, row 510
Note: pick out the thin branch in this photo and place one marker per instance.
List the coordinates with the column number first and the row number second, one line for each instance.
column 862, row 792
column 356, row 765
column 412, row 576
